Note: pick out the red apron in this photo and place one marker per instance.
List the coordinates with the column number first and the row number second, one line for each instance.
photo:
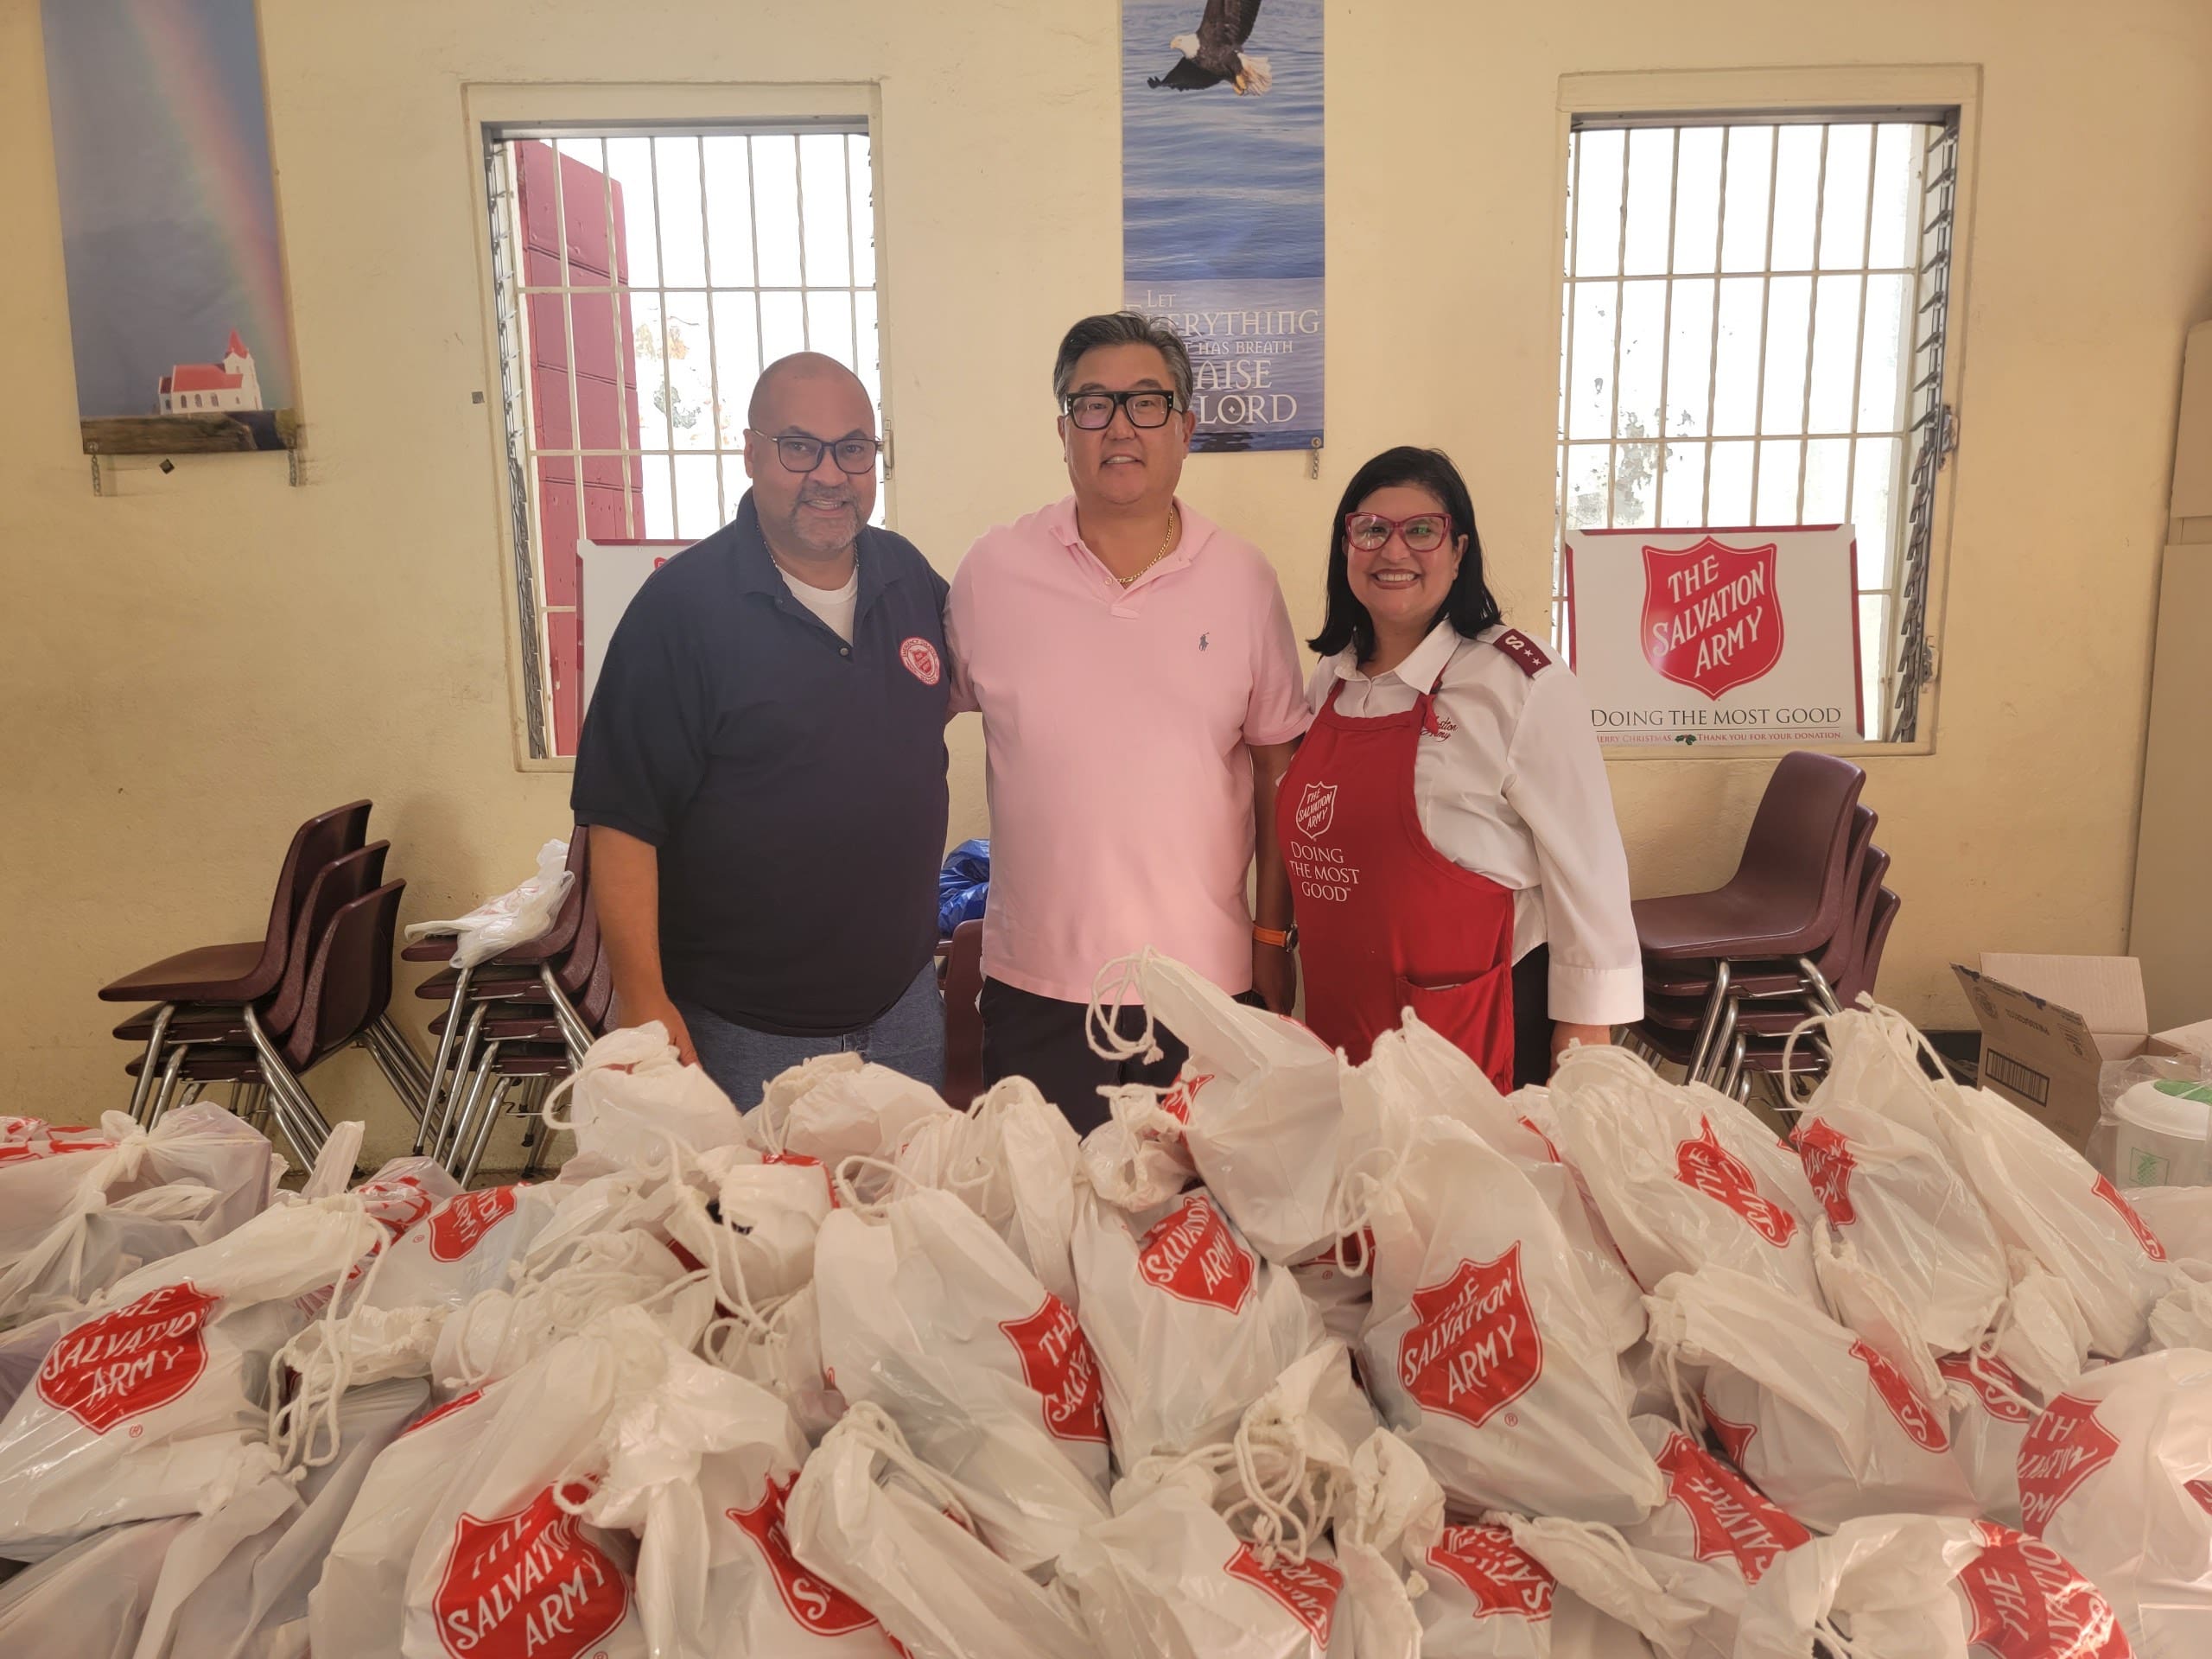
column 1385, row 921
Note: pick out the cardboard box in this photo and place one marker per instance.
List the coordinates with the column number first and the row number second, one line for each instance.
column 2049, row 1025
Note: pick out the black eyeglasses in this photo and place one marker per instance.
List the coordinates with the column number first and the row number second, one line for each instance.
column 803, row 454
column 1094, row 410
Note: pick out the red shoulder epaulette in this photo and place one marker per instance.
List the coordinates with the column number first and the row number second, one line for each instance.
column 1525, row 651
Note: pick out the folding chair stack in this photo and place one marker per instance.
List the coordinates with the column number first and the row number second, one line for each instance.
column 512, row 1025
column 1799, row 930
column 259, row 1015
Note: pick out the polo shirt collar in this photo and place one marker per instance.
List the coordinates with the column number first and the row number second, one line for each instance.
column 1197, row 530
column 1420, row 669
column 758, row 572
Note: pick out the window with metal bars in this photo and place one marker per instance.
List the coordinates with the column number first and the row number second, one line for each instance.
column 1752, row 333
column 642, row 277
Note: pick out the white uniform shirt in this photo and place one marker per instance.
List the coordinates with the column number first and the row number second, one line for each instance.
column 1515, row 790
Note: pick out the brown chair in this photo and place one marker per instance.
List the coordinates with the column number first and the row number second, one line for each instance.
column 1788, row 897
column 247, row 972
column 349, row 985
column 963, row 1020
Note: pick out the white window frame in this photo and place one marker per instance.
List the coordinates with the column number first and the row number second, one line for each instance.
column 606, row 107
column 1873, row 92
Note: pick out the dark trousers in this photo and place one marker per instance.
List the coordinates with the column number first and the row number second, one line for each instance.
column 1041, row 1037
column 1532, row 1018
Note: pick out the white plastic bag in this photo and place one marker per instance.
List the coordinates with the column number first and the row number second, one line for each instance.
column 1711, row 1513
column 1483, row 1350
column 2180, row 1218
column 463, row 1246
column 1486, row 1597
column 1896, row 1197
column 631, row 1096
column 1189, row 1323
column 870, row 1518
column 514, row 918
column 1683, row 1176
column 1012, row 1159
column 779, row 1346
column 1905, row 1586
column 928, row 1313
column 1990, row 1409
column 90, row 1600
column 1137, row 1159
column 153, row 1401
column 1819, row 1420
column 838, row 1106
column 2116, row 1476
column 1265, row 1126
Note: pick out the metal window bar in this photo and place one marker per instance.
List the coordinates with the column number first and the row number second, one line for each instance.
column 1912, row 664
column 1900, row 596
column 724, row 445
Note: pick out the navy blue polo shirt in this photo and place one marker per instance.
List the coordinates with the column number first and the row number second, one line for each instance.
column 794, row 785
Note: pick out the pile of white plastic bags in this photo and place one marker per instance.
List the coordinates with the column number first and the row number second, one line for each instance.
column 1295, row 1360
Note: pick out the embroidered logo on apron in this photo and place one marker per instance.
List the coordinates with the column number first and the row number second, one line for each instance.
column 1317, row 809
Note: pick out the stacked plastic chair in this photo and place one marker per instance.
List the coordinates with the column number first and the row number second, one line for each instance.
column 1798, row 929
column 259, row 1015
column 512, row 1025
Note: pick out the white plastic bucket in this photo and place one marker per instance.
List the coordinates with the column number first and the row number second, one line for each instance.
column 2161, row 1134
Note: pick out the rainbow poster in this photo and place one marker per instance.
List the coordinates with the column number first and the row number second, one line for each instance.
column 168, row 215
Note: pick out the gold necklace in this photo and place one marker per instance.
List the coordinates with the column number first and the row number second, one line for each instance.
column 1167, row 542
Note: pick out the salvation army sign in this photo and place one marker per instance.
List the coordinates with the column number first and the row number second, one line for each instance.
column 1716, row 636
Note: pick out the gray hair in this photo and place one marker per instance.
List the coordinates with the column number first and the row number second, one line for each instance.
column 1122, row 328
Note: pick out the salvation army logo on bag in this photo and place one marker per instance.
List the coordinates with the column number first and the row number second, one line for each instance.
column 802, row 1158
column 1057, row 1363
column 527, row 1585
column 135, row 1360
column 1184, row 1094
column 1474, row 1347
column 1309, row 1588
column 1828, row 1163
column 395, row 1205
column 1990, row 1378
column 2062, row 1448
column 1913, row 1414
column 2028, row 1602
column 1501, row 1576
column 1735, row 1438
column 2149, row 1240
column 438, row 1413
column 1317, row 809
column 458, row 1225
column 1191, row 1254
column 818, row 1607
column 2202, row 1492
column 1712, row 619
column 920, row 657
column 1727, row 1517
column 1704, row 1166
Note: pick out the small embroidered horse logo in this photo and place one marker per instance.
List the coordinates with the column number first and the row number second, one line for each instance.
column 1203, row 641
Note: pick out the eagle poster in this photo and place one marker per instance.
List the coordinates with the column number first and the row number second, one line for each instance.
column 1221, row 205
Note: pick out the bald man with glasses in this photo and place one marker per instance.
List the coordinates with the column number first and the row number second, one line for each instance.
column 763, row 764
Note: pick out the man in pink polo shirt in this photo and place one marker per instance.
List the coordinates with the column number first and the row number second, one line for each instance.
column 1140, row 687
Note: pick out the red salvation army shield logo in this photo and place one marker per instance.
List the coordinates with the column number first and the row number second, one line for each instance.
column 1727, row 1518
column 1501, row 1576
column 2144, row 1237
column 1989, row 1378
column 527, row 1585
column 1057, row 1363
column 2028, row 1602
column 1704, row 1166
column 2062, row 1448
column 1317, row 809
column 1828, row 1163
column 920, row 657
column 1735, row 1438
column 126, row 1363
column 458, row 1225
column 1913, row 1414
column 1712, row 619
column 395, row 1205
column 1191, row 1254
column 1474, row 1347
column 1308, row 1588
column 817, row 1607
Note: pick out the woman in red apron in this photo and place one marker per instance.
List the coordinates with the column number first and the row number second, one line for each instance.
column 1447, row 816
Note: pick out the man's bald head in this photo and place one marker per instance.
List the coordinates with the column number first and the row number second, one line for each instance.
column 766, row 413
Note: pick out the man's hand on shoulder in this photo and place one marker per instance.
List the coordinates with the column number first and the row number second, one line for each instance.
column 644, row 1011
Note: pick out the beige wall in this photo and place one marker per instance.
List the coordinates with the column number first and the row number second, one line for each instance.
column 192, row 664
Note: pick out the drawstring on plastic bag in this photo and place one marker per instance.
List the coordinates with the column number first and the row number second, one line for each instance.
column 1102, row 1021
column 871, row 1425
column 1352, row 1206
column 293, row 1424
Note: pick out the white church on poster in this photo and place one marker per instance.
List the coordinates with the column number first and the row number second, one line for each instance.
column 190, row 388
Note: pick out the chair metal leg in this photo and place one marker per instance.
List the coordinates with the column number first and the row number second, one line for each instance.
column 438, row 1082
column 494, row 1106
column 436, row 1131
column 465, row 1097
column 160, row 1102
column 304, row 1124
column 1702, row 1051
column 394, row 1072
column 1822, row 991
column 192, row 1090
column 1734, row 1072
column 533, row 1097
column 1716, row 1061
column 149, row 1067
column 574, row 1032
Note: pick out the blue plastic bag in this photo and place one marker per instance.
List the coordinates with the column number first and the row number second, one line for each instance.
column 962, row 885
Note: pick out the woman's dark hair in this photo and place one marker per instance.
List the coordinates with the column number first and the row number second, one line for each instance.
column 1469, row 607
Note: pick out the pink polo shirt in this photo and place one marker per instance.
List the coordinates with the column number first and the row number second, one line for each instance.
column 1115, row 726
